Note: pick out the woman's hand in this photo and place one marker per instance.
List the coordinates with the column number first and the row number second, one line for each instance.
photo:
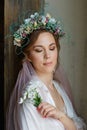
column 47, row 110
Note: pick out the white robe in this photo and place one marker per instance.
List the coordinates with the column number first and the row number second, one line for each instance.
column 30, row 119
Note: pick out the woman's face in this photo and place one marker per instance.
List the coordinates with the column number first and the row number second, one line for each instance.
column 43, row 53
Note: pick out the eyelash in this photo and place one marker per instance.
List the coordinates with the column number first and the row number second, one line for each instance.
column 39, row 51
column 53, row 48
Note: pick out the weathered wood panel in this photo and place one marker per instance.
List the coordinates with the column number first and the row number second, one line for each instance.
column 13, row 9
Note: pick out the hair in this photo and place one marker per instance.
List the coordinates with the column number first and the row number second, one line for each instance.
column 34, row 36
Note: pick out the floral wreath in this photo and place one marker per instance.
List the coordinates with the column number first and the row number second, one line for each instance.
column 36, row 22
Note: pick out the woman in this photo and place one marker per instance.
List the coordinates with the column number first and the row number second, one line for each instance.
column 38, row 100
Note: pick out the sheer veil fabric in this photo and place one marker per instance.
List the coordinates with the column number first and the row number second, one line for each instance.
column 25, row 75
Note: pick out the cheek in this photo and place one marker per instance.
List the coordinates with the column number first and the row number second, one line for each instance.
column 36, row 59
column 55, row 58
column 55, row 55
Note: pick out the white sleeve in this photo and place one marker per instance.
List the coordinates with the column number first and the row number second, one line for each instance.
column 80, row 125
column 26, row 117
column 79, row 122
column 21, row 120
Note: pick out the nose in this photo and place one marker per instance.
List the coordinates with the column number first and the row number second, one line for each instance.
column 46, row 54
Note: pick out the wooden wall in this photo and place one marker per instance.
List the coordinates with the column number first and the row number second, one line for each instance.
column 1, row 65
column 13, row 9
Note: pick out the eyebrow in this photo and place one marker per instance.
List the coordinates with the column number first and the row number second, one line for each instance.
column 42, row 46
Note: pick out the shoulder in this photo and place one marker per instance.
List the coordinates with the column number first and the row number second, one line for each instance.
column 32, row 84
column 29, row 91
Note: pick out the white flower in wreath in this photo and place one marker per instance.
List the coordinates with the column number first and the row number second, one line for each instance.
column 36, row 14
column 43, row 20
column 32, row 16
column 52, row 20
column 48, row 15
column 26, row 21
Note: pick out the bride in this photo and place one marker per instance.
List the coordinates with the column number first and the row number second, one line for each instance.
column 39, row 101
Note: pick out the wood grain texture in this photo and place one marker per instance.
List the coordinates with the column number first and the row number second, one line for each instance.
column 14, row 11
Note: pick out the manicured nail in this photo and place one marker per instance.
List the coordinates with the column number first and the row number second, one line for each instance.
column 38, row 109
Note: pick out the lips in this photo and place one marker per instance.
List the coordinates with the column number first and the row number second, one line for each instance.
column 48, row 63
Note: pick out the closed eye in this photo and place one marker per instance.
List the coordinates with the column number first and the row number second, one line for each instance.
column 38, row 50
column 52, row 48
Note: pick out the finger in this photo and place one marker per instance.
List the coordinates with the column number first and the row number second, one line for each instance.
column 51, row 113
column 42, row 104
column 42, row 108
column 47, row 110
column 55, row 114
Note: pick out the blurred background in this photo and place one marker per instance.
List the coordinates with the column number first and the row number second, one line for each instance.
column 73, row 53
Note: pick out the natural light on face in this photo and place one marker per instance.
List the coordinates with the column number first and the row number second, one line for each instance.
column 43, row 53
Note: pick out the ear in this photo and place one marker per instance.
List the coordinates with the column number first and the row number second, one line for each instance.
column 29, row 59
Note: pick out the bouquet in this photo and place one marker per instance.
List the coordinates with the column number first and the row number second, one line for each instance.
column 32, row 96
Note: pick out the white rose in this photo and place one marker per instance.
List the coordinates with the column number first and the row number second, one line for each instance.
column 27, row 20
column 52, row 20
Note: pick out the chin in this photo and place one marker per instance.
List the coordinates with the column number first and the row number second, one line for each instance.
column 49, row 70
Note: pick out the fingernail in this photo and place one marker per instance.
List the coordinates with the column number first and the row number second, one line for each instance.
column 37, row 108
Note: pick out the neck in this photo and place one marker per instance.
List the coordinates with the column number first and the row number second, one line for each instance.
column 46, row 79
